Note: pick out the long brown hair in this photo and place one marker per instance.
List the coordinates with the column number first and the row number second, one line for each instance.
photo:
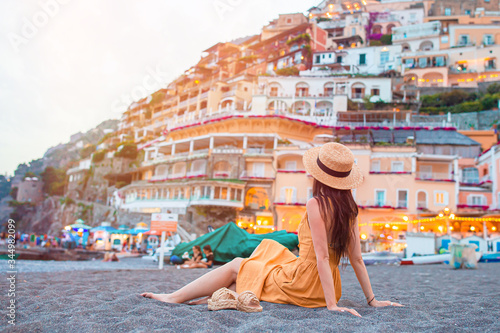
column 339, row 211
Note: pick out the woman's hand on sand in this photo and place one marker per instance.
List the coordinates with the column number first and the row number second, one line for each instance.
column 381, row 304
column 339, row 309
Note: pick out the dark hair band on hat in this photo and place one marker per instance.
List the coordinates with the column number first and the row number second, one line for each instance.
column 332, row 172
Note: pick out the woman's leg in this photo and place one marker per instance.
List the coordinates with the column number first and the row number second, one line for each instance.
column 205, row 285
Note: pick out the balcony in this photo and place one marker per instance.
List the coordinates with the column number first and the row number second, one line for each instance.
column 207, row 201
column 222, row 174
column 229, row 93
column 204, row 95
column 183, row 104
column 200, row 152
column 196, row 174
column 422, row 205
column 432, row 176
column 259, row 151
column 290, row 201
column 227, row 150
column 257, row 175
column 379, row 204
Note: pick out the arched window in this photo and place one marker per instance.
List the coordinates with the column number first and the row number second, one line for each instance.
column 422, row 200
column 275, row 89
column 302, row 89
column 179, row 170
column 161, row 170
column 222, row 169
column 358, row 90
column 328, row 89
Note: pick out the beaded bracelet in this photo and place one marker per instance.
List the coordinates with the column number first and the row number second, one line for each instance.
column 373, row 298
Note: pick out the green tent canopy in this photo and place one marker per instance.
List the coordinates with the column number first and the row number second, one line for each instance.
column 230, row 241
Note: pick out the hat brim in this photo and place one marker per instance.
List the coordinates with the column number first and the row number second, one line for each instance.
column 354, row 179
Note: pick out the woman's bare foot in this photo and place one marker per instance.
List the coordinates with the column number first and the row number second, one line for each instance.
column 203, row 300
column 160, row 297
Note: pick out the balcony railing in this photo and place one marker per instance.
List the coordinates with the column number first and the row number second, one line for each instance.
column 228, row 93
column 432, row 176
column 227, row 150
column 378, row 204
column 422, row 205
column 259, row 151
column 291, row 201
column 200, row 151
column 257, row 175
column 196, row 173
column 222, row 174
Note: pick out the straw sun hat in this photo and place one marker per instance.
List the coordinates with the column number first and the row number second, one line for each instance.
column 333, row 164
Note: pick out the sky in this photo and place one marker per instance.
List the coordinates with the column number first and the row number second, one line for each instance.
column 67, row 65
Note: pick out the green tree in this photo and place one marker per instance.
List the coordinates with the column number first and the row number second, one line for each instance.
column 493, row 89
column 386, row 39
column 54, row 181
column 13, row 193
column 128, row 150
column 290, row 71
column 87, row 151
column 99, row 156
column 30, row 174
column 4, row 187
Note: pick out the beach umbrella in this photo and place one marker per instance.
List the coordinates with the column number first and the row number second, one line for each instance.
column 122, row 229
column 77, row 227
column 136, row 231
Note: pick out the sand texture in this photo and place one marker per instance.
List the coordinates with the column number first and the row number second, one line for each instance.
column 104, row 297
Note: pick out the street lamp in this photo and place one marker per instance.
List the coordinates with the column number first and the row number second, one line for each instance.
column 447, row 215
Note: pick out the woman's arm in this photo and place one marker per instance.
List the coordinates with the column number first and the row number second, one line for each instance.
column 320, row 243
column 359, row 267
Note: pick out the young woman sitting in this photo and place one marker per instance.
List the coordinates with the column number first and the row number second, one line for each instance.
column 328, row 232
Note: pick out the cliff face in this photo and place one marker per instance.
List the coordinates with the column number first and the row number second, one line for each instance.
column 51, row 215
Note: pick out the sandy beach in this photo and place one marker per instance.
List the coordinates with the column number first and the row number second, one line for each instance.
column 104, row 297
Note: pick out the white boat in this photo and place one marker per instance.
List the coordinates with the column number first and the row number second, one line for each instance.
column 380, row 258
column 432, row 259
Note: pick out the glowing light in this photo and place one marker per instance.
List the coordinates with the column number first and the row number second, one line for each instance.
column 139, row 235
column 493, row 228
column 395, row 228
column 472, row 228
column 80, row 229
column 239, row 224
column 382, row 235
column 259, row 222
column 363, row 236
column 389, row 237
column 251, row 224
column 405, row 218
column 451, row 228
column 440, row 228
column 452, row 216
column 196, row 81
column 422, row 228
column 67, row 227
column 441, row 215
column 272, row 228
column 255, row 227
column 446, row 209
column 387, row 226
